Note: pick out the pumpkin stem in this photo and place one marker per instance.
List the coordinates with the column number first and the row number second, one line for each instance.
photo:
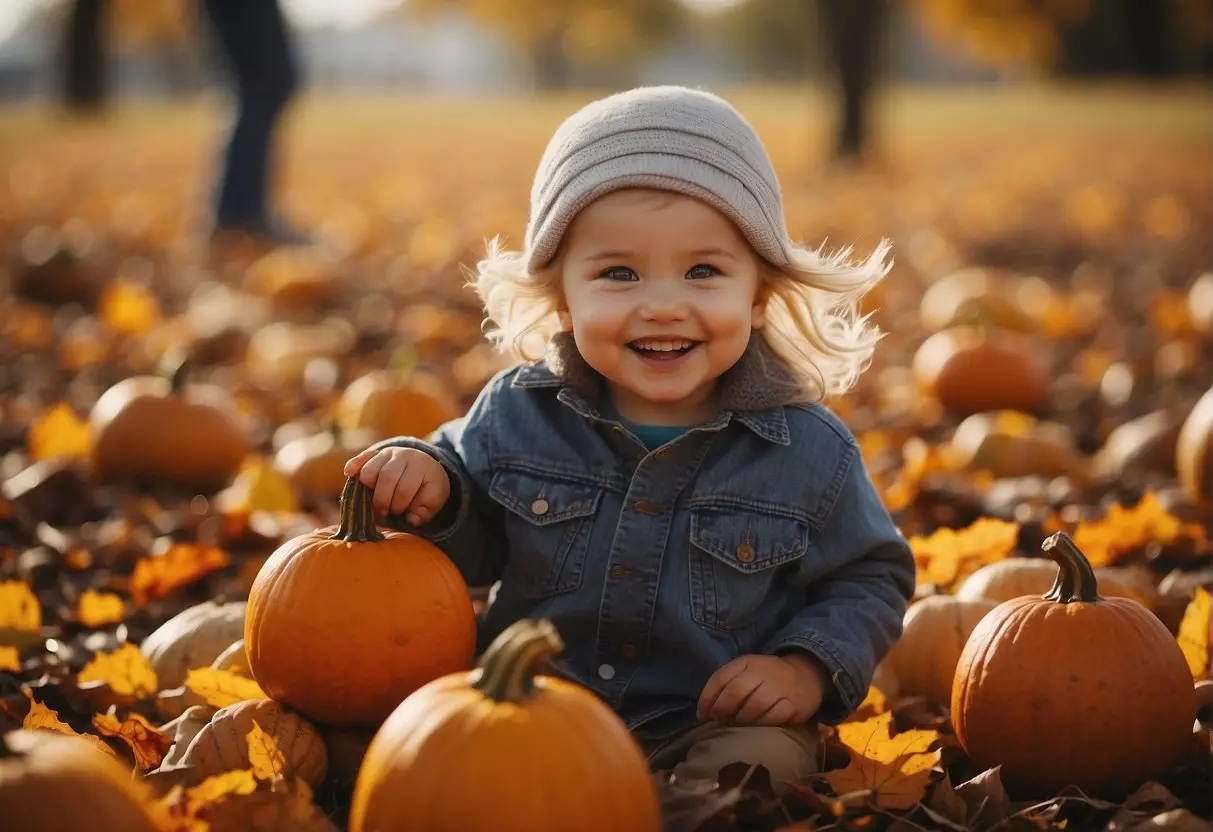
column 357, row 514
column 506, row 671
column 175, row 366
column 1075, row 577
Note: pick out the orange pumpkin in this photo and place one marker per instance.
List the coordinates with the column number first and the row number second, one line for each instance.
column 1073, row 689
column 933, row 635
column 385, row 404
column 971, row 370
column 540, row 751
column 1194, row 451
column 52, row 781
column 158, row 428
column 342, row 624
column 315, row 464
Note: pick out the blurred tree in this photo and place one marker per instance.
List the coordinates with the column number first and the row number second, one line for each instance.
column 775, row 39
column 854, row 30
column 560, row 35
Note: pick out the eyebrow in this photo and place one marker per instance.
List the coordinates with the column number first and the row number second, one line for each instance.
column 702, row 252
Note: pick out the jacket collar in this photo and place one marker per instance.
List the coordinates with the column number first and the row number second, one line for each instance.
column 754, row 391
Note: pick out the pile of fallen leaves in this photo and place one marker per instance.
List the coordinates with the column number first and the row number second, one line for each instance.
column 1098, row 253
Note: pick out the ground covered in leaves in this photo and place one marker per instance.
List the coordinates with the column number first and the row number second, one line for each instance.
column 1090, row 214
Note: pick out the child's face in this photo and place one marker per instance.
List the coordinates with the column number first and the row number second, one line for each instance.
column 662, row 292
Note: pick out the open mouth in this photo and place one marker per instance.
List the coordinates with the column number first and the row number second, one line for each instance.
column 663, row 350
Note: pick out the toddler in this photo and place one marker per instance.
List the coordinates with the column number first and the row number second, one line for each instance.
column 658, row 476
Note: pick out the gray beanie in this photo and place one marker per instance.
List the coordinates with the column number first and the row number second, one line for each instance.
column 671, row 138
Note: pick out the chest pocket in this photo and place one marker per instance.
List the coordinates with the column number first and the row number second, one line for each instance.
column 548, row 524
column 735, row 557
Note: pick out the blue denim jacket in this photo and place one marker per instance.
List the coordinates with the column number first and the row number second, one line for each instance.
column 758, row 531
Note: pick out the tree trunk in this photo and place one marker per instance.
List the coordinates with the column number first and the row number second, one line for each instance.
column 83, row 64
column 553, row 70
column 854, row 29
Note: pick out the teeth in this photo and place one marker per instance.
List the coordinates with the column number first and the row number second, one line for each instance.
column 662, row 346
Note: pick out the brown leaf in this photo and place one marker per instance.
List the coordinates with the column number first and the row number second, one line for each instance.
column 146, row 741
column 985, row 798
column 97, row 609
column 59, row 432
column 182, row 563
column 126, row 670
column 894, row 770
column 221, row 688
column 1194, row 632
column 945, row 804
column 264, row 754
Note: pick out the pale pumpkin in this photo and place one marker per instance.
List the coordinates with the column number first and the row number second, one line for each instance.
column 1194, row 451
column 934, row 633
column 161, row 429
column 222, row 744
column 315, row 465
column 51, row 781
column 191, row 639
column 1014, row 577
column 1200, row 303
column 395, row 403
column 1073, row 689
column 234, row 659
column 544, row 752
column 971, row 370
column 183, row 730
column 365, row 618
column 1013, row 444
column 972, row 293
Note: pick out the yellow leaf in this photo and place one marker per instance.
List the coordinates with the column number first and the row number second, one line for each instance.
column 10, row 659
column 19, row 607
column 893, row 770
column 1194, row 632
column 264, row 754
column 146, row 741
column 96, row 609
column 874, row 703
column 128, row 308
column 258, row 487
column 126, row 670
column 1123, row 530
column 221, row 688
column 183, row 563
column 43, row 718
column 240, row 781
column 59, row 432
column 947, row 555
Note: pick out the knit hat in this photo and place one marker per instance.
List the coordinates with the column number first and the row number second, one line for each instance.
column 668, row 137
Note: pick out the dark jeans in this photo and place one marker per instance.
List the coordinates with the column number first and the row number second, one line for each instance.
column 252, row 35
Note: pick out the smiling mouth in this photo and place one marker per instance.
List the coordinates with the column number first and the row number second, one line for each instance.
column 665, row 351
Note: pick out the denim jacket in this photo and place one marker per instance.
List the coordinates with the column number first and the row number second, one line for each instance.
column 758, row 531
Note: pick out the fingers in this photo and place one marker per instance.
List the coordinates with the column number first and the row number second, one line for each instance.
column 402, row 480
column 719, row 680
column 756, row 705
column 734, row 696
column 783, row 712
column 431, row 496
column 354, row 464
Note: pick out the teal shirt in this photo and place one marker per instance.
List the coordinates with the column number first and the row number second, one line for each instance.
column 653, row 436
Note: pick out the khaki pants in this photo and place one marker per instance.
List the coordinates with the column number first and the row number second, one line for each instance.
column 789, row 753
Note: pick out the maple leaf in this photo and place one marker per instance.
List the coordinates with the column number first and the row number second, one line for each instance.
column 1193, row 635
column 10, row 659
column 147, row 742
column 221, row 688
column 19, row 607
column 947, row 555
column 182, row 563
column 264, row 754
column 894, row 770
column 127, row 308
column 59, row 432
column 126, row 670
column 217, row 786
column 97, row 609
column 1123, row 530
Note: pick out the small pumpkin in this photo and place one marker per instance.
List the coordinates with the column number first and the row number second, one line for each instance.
column 1013, row 444
column 581, row 767
column 971, row 370
column 1013, row 577
column 159, row 428
column 291, row 277
column 192, row 638
column 1073, row 689
column 315, row 464
column 222, row 744
column 404, row 599
column 183, row 730
column 234, row 659
column 398, row 402
column 1194, row 451
column 933, row 635
column 51, row 781
column 962, row 295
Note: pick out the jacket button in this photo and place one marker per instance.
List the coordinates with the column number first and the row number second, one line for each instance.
column 539, row 507
column 745, row 553
column 628, row 651
column 618, row 571
column 615, row 429
column 605, row 671
column 646, row 507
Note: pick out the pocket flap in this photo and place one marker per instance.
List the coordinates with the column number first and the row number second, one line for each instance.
column 748, row 541
column 543, row 500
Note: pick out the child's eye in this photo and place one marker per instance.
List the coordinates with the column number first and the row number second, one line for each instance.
column 702, row 270
column 619, row 273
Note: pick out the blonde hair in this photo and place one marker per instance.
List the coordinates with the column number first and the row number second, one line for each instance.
column 812, row 326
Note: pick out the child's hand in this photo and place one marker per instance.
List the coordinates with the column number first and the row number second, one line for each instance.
column 764, row 690
column 403, row 479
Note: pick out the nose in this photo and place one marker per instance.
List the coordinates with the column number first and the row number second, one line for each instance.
column 663, row 303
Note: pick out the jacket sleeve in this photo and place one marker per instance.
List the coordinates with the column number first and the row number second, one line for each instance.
column 469, row 528
column 853, row 612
